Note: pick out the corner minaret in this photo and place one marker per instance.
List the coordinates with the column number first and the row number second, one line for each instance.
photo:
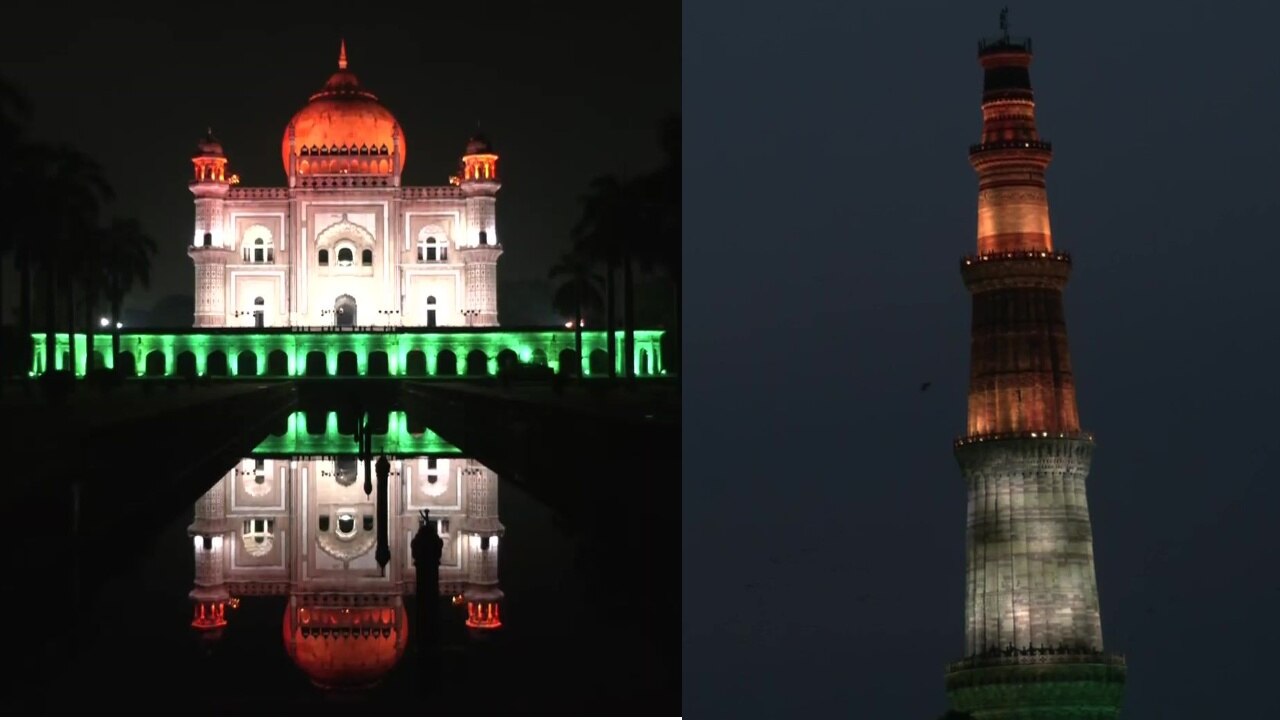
column 480, row 248
column 209, row 597
column 1033, row 631
column 210, row 247
column 481, row 530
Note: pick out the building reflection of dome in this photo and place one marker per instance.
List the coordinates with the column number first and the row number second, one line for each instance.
column 346, row 647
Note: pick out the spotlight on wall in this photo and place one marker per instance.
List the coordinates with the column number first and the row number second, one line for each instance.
column 104, row 322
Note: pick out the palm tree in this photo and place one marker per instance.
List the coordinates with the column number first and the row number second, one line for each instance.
column 660, row 193
column 67, row 192
column 14, row 113
column 126, row 251
column 606, row 232
column 635, row 223
column 578, row 295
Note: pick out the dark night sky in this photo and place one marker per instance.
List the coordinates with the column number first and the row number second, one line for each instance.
column 831, row 199
column 562, row 95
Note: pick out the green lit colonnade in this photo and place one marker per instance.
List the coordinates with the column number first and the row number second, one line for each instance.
column 373, row 352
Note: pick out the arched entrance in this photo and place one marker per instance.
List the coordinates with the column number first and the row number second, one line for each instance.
column 344, row 311
column 431, row 311
column 259, row 310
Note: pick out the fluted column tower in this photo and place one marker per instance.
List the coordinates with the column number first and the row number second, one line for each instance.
column 1033, row 633
column 210, row 249
column 480, row 249
column 209, row 533
column 481, row 528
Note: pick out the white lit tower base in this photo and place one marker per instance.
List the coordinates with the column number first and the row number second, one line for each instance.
column 1031, row 601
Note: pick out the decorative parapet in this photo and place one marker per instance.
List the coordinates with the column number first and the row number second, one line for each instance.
column 258, row 587
column 346, row 180
column 349, row 180
column 430, row 193
column 258, row 193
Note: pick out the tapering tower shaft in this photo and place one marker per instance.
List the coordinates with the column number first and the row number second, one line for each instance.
column 1033, row 631
column 1020, row 374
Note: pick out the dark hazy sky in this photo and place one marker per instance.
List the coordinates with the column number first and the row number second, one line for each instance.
column 829, row 199
column 565, row 92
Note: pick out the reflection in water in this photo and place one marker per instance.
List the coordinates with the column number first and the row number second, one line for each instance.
column 294, row 520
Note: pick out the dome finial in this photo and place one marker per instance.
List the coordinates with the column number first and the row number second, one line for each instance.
column 342, row 54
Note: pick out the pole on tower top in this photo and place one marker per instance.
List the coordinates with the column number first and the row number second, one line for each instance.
column 1004, row 21
column 342, row 54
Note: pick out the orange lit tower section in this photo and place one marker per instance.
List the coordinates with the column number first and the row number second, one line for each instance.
column 210, row 249
column 480, row 248
column 1033, row 630
column 1021, row 372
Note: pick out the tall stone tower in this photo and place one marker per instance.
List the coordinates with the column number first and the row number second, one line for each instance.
column 480, row 248
column 1033, row 633
column 210, row 248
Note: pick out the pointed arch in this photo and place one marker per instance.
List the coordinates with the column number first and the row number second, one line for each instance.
column 345, row 230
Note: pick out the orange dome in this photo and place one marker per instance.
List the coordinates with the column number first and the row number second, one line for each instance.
column 349, row 647
column 345, row 116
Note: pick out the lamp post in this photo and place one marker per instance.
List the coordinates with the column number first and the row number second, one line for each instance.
column 389, row 317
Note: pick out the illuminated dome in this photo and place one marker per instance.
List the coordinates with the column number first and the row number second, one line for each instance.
column 346, row 117
column 345, row 647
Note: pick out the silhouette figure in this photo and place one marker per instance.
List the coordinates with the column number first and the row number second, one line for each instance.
column 426, row 548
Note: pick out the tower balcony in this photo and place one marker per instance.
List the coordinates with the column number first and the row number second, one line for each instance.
column 1030, row 435
column 1029, row 268
column 1043, row 146
column 1017, row 255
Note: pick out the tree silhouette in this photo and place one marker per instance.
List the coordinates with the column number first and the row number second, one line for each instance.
column 578, row 295
column 124, row 250
column 634, row 224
